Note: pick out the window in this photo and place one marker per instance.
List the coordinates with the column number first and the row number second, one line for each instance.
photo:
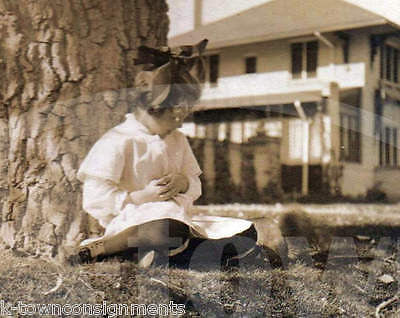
column 251, row 64
column 388, row 60
column 350, row 125
column 213, row 68
column 297, row 59
column 304, row 59
column 350, row 142
column 390, row 63
column 388, row 147
column 312, row 58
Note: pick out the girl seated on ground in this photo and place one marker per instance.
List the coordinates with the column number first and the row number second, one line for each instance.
column 141, row 178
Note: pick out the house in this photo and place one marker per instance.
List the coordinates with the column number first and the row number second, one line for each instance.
column 301, row 96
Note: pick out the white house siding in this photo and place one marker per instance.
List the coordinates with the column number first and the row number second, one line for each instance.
column 359, row 178
column 272, row 56
column 387, row 180
column 274, row 77
column 362, row 54
column 273, row 84
column 356, row 180
column 391, row 114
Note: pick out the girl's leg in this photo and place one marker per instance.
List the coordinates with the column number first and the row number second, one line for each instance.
column 241, row 247
column 219, row 250
column 276, row 258
column 144, row 235
column 152, row 235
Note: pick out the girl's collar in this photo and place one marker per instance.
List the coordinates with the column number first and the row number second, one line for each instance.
column 134, row 126
column 134, row 123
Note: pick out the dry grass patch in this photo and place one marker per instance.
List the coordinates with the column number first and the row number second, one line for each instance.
column 357, row 278
column 341, row 287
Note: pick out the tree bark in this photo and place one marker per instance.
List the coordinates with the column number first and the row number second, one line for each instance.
column 67, row 66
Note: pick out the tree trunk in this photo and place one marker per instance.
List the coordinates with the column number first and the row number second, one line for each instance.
column 66, row 68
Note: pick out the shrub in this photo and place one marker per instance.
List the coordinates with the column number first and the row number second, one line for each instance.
column 376, row 195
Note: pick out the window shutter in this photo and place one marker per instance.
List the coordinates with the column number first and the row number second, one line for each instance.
column 395, row 146
column 251, row 65
column 395, row 65
column 297, row 59
column 312, row 58
column 388, row 63
column 387, row 146
column 214, row 68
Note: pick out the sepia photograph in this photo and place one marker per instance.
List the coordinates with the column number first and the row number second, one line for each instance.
column 199, row 158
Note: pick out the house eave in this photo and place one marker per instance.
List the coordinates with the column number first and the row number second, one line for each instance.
column 268, row 99
column 194, row 36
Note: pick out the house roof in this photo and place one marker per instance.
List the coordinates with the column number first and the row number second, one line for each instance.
column 271, row 21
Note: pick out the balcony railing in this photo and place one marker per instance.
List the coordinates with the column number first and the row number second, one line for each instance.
column 253, row 86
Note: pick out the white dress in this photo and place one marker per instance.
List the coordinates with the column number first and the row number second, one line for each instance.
column 126, row 159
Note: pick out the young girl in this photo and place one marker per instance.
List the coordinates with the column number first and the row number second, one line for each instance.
column 141, row 178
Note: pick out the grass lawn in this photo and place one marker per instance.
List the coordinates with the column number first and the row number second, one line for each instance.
column 357, row 279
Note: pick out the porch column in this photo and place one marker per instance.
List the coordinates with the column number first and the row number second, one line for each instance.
column 306, row 157
column 198, row 12
column 305, row 147
column 333, row 112
column 209, row 160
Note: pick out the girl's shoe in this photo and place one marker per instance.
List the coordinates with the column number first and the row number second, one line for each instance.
column 275, row 260
column 83, row 256
column 88, row 251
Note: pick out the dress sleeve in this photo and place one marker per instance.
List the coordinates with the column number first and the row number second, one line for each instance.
column 100, row 173
column 105, row 160
column 102, row 199
column 192, row 171
column 190, row 165
column 194, row 190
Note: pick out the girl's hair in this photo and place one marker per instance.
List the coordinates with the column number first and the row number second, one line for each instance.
column 177, row 94
column 169, row 77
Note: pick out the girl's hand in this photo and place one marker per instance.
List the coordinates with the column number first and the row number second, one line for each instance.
column 173, row 184
column 151, row 193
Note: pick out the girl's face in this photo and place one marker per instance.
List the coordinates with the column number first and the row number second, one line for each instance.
column 171, row 119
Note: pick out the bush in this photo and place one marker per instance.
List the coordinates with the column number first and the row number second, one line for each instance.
column 376, row 195
column 225, row 189
column 272, row 193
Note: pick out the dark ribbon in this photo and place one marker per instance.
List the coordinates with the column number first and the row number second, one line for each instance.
column 167, row 66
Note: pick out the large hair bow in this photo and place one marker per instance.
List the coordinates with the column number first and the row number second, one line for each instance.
column 167, row 66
